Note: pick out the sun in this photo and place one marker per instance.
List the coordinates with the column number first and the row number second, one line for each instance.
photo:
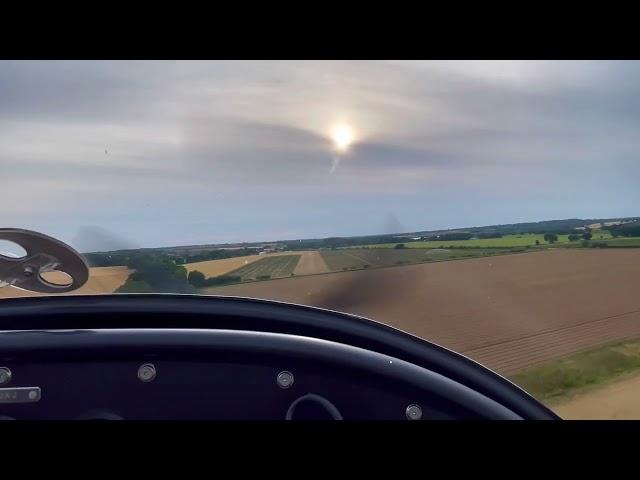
column 342, row 136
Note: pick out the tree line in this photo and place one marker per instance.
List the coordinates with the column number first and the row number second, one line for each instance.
column 624, row 230
column 552, row 237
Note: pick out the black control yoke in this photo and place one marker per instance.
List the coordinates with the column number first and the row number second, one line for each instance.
column 44, row 254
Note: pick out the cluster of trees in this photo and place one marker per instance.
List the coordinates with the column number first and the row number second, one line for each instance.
column 198, row 280
column 574, row 237
column 624, row 230
column 552, row 237
column 156, row 273
column 336, row 242
column 561, row 227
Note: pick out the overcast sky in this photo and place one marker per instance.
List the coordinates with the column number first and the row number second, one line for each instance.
column 113, row 154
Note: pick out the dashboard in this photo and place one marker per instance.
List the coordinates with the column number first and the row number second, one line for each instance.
column 193, row 374
column 208, row 391
column 179, row 359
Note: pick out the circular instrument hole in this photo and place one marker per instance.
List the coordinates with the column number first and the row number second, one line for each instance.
column 11, row 249
column 57, row 277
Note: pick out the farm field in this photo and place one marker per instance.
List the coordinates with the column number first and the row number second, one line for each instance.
column 311, row 262
column 274, row 266
column 509, row 312
column 582, row 372
column 213, row 268
column 101, row 280
column 354, row 258
column 593, row 384
column 505, row 241
column 623, row 241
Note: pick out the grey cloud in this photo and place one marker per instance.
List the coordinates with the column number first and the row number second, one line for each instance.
column 86, row 91
column 184, row 133
column 389, row 156
column 218, row 133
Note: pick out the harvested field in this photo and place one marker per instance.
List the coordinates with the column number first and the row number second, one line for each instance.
column 357, row 258
column 508, row 312
column 311, row 262
column 314, row 261
column 101, row 280
column 213, row 268
column 275, row 266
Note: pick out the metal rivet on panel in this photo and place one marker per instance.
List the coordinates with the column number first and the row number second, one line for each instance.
column 413, row 412
column 5, row 375
column 147, row 372
column 285, row 379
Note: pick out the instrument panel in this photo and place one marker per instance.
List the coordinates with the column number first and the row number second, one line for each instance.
column 169, row 389
column 155, row 357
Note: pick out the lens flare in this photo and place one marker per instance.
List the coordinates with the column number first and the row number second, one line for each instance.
column 342, row 136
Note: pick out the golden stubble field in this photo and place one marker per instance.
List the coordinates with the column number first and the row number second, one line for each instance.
column 214, row 268
column 101, row 280
column 310, row 262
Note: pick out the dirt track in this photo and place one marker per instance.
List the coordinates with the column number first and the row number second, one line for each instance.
column 508, row 312
column 310, row 262
column 615, row 401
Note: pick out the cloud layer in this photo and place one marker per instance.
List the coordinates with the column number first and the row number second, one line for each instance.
column 164, row 153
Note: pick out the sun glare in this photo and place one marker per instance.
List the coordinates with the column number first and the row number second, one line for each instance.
column 342, row 136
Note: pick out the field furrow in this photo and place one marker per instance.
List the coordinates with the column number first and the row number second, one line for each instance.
column 508, row 312
column 268, row 267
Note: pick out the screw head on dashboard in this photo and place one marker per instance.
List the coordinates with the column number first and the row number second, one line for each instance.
column 413, row 412
column 5, row 375
column 285, row 379
column 147, row 372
